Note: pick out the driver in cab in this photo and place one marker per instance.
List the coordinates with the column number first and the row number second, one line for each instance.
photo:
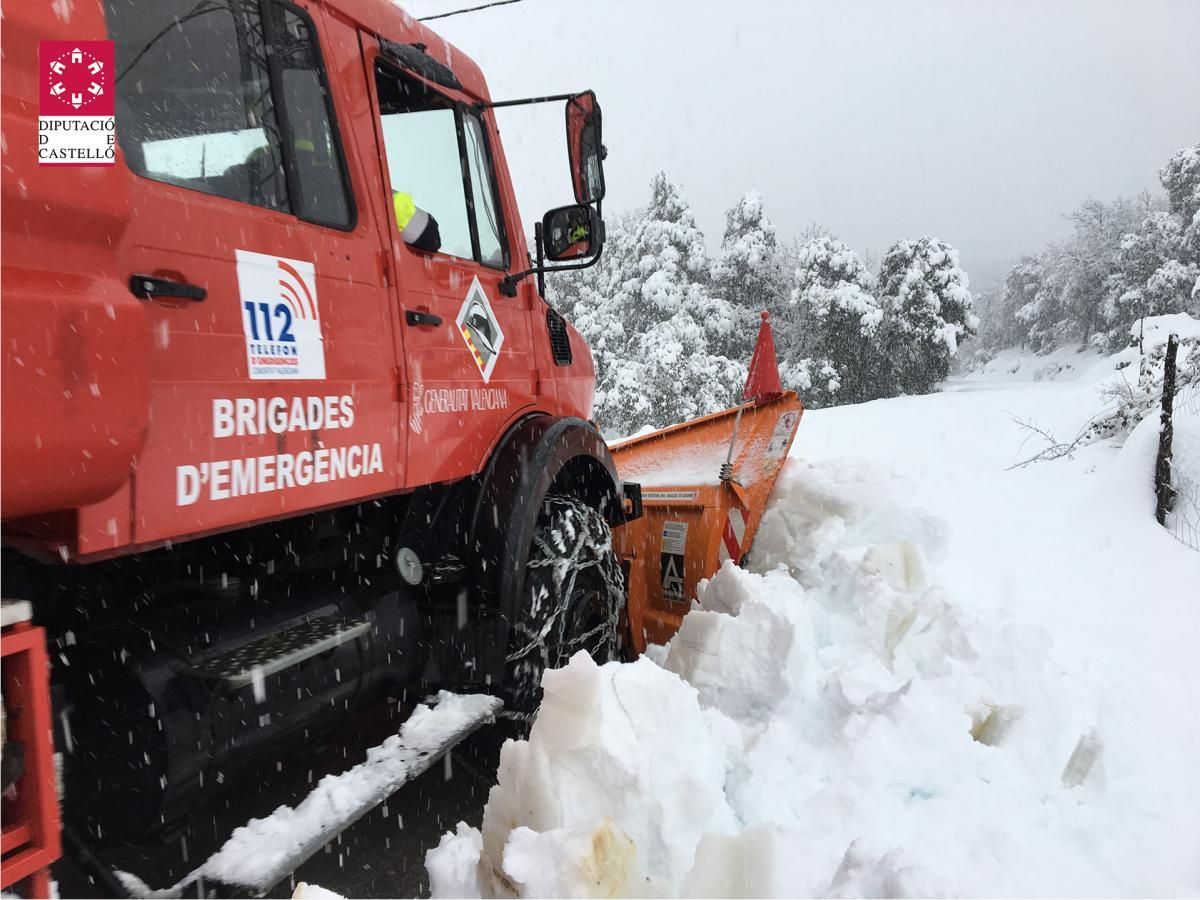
column 417, row 227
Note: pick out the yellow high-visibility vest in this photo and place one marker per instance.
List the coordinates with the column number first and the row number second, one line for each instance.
column 410, row 218
column 405, row 208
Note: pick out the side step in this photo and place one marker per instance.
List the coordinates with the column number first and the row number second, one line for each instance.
column 278, row 651
column 263, row 852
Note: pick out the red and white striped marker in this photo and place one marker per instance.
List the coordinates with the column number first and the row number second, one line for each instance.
column 732, row 535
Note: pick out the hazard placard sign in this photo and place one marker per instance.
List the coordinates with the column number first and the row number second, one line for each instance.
column 674, row 545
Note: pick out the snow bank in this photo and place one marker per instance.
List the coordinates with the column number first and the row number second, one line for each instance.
column 1155, row 329
column 938, row 677
column 799, row 738
column 1074, row 364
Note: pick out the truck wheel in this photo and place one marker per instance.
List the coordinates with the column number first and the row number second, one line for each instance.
column 574, row 594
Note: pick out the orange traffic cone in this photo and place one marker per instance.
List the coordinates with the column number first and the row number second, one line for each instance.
column 762, row 382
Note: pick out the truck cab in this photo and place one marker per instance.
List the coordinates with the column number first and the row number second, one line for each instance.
column 226, row 325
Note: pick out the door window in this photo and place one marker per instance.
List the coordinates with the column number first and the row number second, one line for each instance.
column 487, row 217
column 438, row 154
column 196, row 104
column 321, row 194
column 422, row 157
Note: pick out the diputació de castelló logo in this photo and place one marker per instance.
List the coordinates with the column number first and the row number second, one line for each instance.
column 76, row 103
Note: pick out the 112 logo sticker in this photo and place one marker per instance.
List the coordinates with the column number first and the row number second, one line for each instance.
column 281, row 318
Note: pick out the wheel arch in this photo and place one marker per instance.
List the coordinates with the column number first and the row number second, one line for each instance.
column 538, row 456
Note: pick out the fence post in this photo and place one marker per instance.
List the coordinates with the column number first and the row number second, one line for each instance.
column 1162, row 469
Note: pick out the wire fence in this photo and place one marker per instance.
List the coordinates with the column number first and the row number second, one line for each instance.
column 1184, row 520
column 1187, row 401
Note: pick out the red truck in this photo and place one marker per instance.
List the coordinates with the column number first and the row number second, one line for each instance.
column 247, row 428
column 263, row 460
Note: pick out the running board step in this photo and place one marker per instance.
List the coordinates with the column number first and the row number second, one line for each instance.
column 263, row 852
column 281, row 650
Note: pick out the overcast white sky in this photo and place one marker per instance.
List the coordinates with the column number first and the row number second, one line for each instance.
column 980, row 122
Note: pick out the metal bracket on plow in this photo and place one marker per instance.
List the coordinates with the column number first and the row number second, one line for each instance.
column 263, row 852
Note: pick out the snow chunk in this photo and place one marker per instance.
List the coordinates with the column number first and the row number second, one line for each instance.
column 453, row 865
column 735, row 653
column 587, row 861
column 597, row 751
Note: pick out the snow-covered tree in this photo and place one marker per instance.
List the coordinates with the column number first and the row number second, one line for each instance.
column 664, row 256
column 1149, row 275
column 1099, row 229
column 928, row 310
column 837, row 319
column 1045, row 317
column 1125, row 260
column 1157, row 267
column 748, row 273
column 999, row 326
column 674, row 378
column 652, row 320
column 1180, row 178
column 1059, row 296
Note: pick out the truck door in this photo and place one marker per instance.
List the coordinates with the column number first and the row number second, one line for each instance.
column 273, row 381
column 467, row 346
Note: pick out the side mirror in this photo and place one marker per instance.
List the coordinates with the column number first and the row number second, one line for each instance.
column 572, row 233
column 584, row 149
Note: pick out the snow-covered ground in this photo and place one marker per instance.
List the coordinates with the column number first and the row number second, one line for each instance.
column 939, row 675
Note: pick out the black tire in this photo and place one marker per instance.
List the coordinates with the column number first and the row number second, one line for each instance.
column 574, row 595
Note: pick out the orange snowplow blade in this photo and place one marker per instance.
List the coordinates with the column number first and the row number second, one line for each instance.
column 693, row 519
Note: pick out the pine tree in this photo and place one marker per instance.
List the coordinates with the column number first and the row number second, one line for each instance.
column 650, row 317
column 838, row 317
column 928, row 311
column 748, row 274
column 1180, row 178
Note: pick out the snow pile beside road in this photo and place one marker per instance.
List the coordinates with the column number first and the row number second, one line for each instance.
column 887, row 704
column 789, row 716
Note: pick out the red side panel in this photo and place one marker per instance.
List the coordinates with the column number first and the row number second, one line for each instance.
column 74, row 338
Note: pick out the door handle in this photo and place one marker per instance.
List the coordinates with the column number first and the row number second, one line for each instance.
column 149, row 288
column 417, row 317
